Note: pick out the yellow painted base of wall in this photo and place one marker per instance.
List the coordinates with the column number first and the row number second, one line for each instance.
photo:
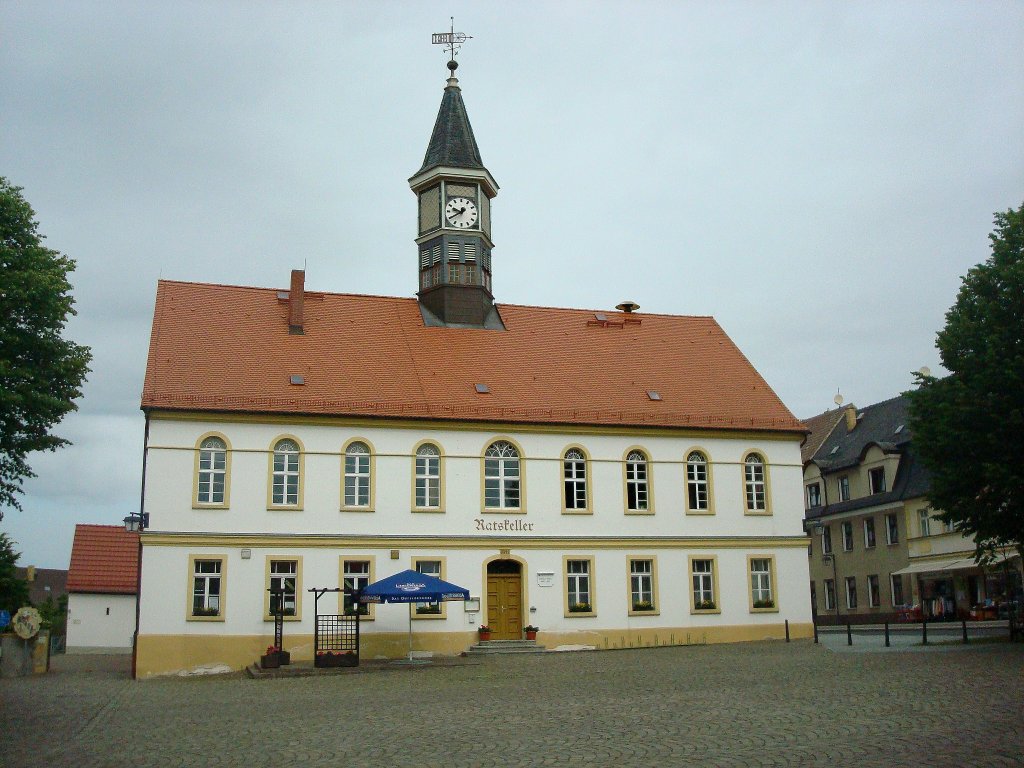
column 192, row 654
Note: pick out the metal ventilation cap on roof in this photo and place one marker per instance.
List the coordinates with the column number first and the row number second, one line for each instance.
column 627, row 307
column 296, row 379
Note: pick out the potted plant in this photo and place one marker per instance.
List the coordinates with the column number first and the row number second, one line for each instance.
column 485, row 633
column 643, row 605
column 336, row 659
column 579, row 608
column 531, row 632
column 270, row 659
column 705, row 605
column 764, row 603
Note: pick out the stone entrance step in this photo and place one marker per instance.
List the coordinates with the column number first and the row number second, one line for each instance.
column 490, row 647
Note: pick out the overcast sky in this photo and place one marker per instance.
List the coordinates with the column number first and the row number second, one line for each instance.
column 817, row 176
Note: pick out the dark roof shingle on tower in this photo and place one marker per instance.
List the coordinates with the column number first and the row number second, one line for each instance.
column 452, row 143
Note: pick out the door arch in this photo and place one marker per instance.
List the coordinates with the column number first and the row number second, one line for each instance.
column 505, row 599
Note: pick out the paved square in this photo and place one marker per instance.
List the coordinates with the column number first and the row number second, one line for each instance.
column 752, row 704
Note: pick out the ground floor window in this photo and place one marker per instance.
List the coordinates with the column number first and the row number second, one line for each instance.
column 207, row 587
column 282, row 584
column 703, row 583
column 830, row 595
column 435, row 568
column 355, row 574
column 578, row 592
column 641, row 585
column 761, row 594
column 896, row 582
column 874, row 596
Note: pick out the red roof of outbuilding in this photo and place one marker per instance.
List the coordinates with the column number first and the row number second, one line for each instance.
column 104, row 559
column 228, row 348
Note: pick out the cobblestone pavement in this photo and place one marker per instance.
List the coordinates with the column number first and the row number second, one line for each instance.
column 751, row 704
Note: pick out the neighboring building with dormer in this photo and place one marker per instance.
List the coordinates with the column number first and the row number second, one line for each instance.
column 615, row 478
column 866, row 490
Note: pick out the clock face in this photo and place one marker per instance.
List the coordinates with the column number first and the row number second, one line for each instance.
column 461, row 212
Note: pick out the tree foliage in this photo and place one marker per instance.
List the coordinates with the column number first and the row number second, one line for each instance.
column 41, row 373
column 968, row 427
column 13, row 591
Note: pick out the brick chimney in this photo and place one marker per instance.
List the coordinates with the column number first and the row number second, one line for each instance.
column 296, row 299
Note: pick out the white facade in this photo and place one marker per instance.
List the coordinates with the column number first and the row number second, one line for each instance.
column 100, row 623
column 246, row 533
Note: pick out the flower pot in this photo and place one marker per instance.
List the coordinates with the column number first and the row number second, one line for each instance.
column 336, row 660
column 284, row 658
column 270, row 661
column 531, row 635
column 485, row 636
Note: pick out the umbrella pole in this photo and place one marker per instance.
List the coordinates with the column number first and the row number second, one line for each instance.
column 410, row 631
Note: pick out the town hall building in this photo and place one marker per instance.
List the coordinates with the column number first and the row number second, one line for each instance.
column 613, row 477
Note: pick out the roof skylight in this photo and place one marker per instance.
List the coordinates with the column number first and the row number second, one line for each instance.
column 483, row 389
column 296, row 379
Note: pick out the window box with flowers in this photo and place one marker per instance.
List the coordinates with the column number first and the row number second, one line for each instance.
column 271, row 659
column 705, row 605
column 581, row 608
column 641, row 606
column 764, row 605
column 336, row 659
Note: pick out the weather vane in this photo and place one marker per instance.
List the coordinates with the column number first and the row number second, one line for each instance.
column 452, row 41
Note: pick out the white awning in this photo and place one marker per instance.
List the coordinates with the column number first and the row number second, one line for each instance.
column 937, row 566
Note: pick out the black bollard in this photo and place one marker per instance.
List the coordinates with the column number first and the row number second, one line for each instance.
column 815, row 625
column 924, row 631
column 887, row 634
column 964, row 623
column 849, row 634
column 787, row 630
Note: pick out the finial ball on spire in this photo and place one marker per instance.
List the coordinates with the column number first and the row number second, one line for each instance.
column 453, row 65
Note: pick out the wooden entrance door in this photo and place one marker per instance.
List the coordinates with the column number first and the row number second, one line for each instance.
column 505, row 605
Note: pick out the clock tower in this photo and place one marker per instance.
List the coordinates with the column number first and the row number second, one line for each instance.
column 454, row 244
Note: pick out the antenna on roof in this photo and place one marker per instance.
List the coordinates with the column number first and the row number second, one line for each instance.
column 452, row 41
column 838, row 399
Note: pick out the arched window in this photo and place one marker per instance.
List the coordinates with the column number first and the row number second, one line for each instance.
column 754, row 482
column 428, row 476
column 357, row 475
column 501, row 476
column 574, row 469
column 213, row 458
column 636, row 482
column 285, row 491
column 697, row 482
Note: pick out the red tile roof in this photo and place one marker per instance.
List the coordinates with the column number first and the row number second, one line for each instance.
column 104, row 559
column 227, row 348
column 820, row 427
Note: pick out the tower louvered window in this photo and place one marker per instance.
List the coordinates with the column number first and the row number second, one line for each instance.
column 469, row 249
column 424, row 258
column 453, row 251
column 436, row 254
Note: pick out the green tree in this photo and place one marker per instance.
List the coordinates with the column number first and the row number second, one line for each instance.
column 54, row 614
column 13, row 591
column 41, row 373
column 968, row 427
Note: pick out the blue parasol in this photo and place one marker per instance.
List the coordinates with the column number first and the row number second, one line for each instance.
column 411, row 587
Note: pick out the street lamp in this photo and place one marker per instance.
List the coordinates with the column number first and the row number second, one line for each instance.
column 826, row 558
column 137, row 522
